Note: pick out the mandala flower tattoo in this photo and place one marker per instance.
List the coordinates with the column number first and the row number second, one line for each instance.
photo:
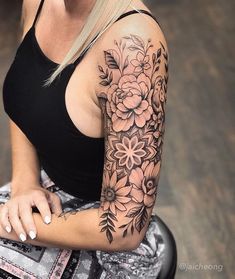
column 132, row 98
column 130, row 152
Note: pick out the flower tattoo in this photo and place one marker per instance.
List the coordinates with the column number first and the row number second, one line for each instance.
column 132, row 98
column 115, row 194
column 128, row 102
column 130, row 151
column 141, row 62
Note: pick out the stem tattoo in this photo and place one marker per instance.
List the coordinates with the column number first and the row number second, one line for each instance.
column 134, row 81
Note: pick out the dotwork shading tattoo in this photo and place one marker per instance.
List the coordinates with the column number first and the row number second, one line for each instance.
column 133, row 103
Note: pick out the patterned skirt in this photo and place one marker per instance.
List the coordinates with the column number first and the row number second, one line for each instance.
column 26, row 261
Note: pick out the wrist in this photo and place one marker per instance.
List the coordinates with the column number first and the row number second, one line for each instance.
column 23, row 184
column 21, row 178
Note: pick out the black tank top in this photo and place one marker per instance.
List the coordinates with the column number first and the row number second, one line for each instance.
column 73, row 160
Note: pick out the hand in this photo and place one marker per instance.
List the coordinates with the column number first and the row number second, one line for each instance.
column 17, row 211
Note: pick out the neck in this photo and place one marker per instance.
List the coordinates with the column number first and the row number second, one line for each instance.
column 79, row 8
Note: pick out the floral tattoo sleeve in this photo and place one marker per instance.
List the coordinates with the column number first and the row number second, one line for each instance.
column 133, row 96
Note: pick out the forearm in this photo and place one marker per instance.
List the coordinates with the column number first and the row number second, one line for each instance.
column 25, row 164
column 76, row 230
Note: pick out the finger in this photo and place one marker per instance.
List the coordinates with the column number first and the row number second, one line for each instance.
column 15, row 222
column 55, row 204
column 25, row 212
column 44, row 208
column 4, row 218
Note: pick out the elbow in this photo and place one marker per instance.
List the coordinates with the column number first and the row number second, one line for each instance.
column 126, row 244
column 134, row 244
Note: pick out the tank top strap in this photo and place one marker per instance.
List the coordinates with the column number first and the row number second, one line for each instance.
column 120, row 17
column 38, row 12
column 140, row 11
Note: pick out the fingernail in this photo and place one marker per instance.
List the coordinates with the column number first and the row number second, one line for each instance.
column 8, row 229
column 47, row 219
column 22, row 237
column 32, row 234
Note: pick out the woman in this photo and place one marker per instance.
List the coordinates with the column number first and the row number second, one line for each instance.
column 87, row 132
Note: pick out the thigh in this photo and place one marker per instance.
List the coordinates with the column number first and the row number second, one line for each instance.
column 22, row 260
column 28, row 261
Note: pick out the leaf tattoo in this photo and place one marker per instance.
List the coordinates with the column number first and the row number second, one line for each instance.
column 112, row 59
column 133, row 98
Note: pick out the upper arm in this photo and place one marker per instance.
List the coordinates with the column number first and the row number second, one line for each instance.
column 133, row 75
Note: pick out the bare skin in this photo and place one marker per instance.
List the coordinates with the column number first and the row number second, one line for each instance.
column 126, row 104
column 62, row 30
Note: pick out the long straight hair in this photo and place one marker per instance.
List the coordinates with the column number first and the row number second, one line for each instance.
column 101, row 17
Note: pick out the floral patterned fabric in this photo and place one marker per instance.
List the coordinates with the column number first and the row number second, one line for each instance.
column 26, row 261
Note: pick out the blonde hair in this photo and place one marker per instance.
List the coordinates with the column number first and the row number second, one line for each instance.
column 101, row 17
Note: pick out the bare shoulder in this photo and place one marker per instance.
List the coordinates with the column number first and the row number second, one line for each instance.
column 135, row 44
column 29, row 9
column 140, row 24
